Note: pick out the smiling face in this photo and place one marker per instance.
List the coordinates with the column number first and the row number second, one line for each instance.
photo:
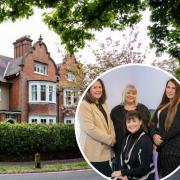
column 170, row 90
column 96, row 90
column 133, row 124
column 130, row 96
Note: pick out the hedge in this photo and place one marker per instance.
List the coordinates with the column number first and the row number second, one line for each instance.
column 17, row 139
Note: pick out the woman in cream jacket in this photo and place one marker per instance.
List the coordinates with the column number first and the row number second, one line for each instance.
column 97, row 134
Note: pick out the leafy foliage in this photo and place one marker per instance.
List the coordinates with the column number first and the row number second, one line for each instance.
column 76, row 20
column 18, row 139
column 165, row 28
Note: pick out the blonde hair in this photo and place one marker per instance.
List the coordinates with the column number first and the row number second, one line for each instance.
column 129, row 87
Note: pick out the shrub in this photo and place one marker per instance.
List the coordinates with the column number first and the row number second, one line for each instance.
column 17, row 139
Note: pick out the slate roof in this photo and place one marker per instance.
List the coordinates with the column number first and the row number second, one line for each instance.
column 14, row 67
column 4, row 61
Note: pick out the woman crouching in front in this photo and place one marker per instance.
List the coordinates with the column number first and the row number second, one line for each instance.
column 136, row 155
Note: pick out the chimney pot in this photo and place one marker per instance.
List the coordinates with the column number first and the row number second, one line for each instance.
column 21, row 46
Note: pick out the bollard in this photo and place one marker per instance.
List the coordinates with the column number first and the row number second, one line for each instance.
column 37, row 160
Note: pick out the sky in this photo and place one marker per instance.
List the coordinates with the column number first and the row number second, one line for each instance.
column 34, row 26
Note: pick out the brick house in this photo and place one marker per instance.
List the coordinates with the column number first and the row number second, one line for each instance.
column 70, row 88
column 28, row 84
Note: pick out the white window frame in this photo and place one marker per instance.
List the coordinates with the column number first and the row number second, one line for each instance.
column 48, row 119
column 40, row 68
column 70, row 76
column 67, row 119
column 39, row 84
column 72, row 91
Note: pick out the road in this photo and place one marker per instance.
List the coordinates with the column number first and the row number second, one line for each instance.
column 73, row 175
column 66, row 175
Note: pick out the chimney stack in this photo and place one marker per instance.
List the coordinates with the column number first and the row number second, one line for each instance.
column 21, row 46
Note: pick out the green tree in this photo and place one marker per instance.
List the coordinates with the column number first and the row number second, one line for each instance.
column 76, row 20
column 169, row 65
column 165, row 29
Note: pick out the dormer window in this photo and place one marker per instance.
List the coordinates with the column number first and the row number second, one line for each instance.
column 70, row 76
column 40, row 68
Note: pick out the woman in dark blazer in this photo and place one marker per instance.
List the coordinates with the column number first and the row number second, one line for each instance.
column 165, row 129
column 118, row 113
column 97, row 134
column 136, row 155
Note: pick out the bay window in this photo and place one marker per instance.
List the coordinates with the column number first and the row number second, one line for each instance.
column 42, row 91
column 71, row 97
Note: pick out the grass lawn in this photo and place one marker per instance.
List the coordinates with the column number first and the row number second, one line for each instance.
column 44, row 168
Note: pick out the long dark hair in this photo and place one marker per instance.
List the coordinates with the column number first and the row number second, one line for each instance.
column 89, row 98
column 173, row 104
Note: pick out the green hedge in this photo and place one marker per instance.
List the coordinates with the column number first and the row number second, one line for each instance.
column 17, row 139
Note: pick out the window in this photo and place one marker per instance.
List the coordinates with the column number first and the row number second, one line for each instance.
column 68, row 98
column 34, row 120
column 42, row 91
column 70, row 76
column 76, row 97
column 42, row 119
column 51, row 121
column 34, row 92
column 11, row 116
column 71, row 97
column 69, row 120
column 41, row 68
column 51, row 93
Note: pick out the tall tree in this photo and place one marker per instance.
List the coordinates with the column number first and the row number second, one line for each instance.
column 74, row 20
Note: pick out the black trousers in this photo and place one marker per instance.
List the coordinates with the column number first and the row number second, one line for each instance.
column 103, row 167
column 167, row 164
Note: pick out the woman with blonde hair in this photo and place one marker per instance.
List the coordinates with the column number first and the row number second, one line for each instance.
column 97, row 134
column 165, row 128
column 129, row 102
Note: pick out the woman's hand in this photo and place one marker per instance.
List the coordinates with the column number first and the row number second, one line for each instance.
column 157, row 139
column 124, row 178
column 116, row 174
column 113, row 141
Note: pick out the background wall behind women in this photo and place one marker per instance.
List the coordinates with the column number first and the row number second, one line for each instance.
column 149, row 81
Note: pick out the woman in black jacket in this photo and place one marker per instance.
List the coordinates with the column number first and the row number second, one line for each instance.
column 129, row 102
column 165, row 129
column 136, row 156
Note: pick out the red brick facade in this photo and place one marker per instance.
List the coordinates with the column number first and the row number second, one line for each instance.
column 24, row 62
column 69, row 65
column 39, row 90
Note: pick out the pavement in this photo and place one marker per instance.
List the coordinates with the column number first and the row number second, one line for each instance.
column 31, row 163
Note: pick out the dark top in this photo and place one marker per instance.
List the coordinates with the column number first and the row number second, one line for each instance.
column 171, row 138
column 136, row 156
column 100, row 107
column 118, row 115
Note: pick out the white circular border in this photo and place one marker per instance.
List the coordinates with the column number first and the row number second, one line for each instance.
column 82, row 96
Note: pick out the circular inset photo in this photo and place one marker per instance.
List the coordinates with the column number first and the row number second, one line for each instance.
column 127, row 124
